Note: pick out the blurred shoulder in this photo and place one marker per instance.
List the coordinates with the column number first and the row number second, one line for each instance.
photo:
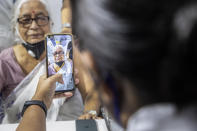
column 7, row 54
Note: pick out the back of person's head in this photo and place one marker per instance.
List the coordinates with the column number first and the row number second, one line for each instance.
column 150, row 43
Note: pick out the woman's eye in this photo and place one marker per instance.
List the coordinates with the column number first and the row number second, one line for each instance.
column 26, row 20
column 41, row 18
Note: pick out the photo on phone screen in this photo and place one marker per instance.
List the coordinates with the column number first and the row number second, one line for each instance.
column 60, row 59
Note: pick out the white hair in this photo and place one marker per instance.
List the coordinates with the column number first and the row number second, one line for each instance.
column 17, row 8
column 58, row 46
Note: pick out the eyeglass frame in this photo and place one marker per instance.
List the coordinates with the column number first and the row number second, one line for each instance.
column 33, row 19
column 61, row 53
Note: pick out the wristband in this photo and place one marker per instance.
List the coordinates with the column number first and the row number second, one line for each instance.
column 92, row 112
column 66, row 25
column 34, row 102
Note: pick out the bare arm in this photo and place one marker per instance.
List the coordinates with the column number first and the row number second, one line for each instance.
column 33, row 120
column 66, row 12
column 86, row 84
column 34, row 116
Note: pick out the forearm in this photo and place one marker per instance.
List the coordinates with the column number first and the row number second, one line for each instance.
column 33, row 119
column 92, row 102
column 66, row 13
column 91, row 105
column 82, row 86
column 86, row 84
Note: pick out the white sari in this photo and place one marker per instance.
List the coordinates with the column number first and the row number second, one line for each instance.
column 61, row 109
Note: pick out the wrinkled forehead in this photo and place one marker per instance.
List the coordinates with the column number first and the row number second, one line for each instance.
column 31, row 8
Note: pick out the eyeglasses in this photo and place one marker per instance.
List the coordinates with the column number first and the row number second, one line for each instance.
column 58, row 53
column 27, row 21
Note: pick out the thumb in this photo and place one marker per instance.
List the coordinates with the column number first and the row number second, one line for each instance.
column 54, row 78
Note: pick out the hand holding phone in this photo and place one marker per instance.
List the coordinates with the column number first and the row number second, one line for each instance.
column 59, row 60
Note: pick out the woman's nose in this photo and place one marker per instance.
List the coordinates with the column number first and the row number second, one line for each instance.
column 34, row 25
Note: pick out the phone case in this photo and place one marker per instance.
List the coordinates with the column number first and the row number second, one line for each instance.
column 86, row 125
column 59, row 59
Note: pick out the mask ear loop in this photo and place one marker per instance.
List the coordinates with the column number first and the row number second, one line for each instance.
column 116, row 102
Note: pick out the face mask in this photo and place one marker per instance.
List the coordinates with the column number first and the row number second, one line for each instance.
column 35, row 50
column 59, row 63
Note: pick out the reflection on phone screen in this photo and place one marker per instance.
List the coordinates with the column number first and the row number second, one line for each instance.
column 60, row 60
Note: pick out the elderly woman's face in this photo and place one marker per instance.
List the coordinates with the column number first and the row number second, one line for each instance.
column 33, row 32
column 59, row 55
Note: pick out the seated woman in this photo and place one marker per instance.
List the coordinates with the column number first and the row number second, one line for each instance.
column 22, row 64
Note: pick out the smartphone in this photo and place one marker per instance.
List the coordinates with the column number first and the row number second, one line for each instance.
column 59, row 59
column 86, row 125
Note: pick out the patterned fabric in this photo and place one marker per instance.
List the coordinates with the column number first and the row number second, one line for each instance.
column 61, row 109
column 13, row 104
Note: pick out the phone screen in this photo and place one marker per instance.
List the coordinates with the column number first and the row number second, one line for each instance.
column 86, row 125
column 60, row 59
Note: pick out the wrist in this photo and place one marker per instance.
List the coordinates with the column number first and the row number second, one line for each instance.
column 92, row 112
column 66, row 25
column 67, row 30
column 40, row 98
column 34, row 104
column 37, row 97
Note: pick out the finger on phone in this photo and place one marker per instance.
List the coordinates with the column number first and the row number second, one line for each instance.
column 76, row 71
column 55, row 78
column 44, row 76
column 65, row 94
column 68, row 94
column 58, row 95
column 76, row 81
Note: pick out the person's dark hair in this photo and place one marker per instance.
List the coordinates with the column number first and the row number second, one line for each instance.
column 69, row 47
column 150, row 42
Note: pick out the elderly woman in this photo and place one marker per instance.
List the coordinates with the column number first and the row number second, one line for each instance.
column 22, row 64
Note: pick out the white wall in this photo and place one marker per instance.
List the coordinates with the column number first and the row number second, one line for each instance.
column 56, row 6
